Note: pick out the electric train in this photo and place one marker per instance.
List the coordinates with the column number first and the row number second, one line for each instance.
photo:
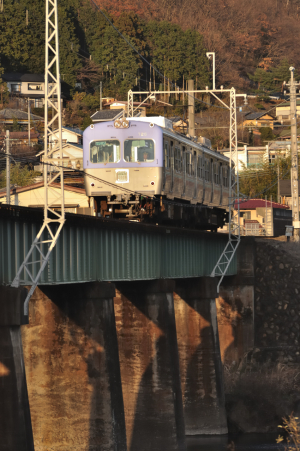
column 140, row 169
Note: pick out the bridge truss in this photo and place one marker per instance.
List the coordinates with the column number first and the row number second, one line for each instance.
column 39, row 253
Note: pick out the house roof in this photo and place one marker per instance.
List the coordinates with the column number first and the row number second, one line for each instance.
column 285, row 104
column 125, row 102
column 252, row 204
column 77, row 131
column 20, row 135
column 19, row 76
column 23, row 189
column 10, row 113
column 107, row 115
column 68, row 144
column 254, row 116
column 287, row 133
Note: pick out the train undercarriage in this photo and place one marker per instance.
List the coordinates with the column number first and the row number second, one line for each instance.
column 160, row 210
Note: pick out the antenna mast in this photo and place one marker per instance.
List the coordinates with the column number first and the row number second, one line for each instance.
column 39, row 253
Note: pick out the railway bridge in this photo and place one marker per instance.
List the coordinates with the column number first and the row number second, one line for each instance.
column 120, row 348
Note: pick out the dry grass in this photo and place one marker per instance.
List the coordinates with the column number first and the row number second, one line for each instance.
column 291, row 428
column 259, row 396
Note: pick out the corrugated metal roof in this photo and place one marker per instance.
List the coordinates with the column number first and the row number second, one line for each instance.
column 107, row 115
column 252, row 204
column 23, row 189
column 252, row 116
column 10, row 113
column 20, row 76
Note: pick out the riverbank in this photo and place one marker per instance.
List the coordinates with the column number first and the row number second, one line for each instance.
column 259, row 395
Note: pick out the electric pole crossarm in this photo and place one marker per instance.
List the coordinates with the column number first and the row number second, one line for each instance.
column 48, row 234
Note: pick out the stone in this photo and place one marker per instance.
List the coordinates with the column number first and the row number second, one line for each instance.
column 281, row 266
column 296, row 291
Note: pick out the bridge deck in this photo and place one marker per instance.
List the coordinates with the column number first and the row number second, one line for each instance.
column 97, row 249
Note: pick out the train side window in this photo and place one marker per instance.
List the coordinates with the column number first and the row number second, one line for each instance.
column 166, row 155
column 207, row 171
column 105, row 151
column 216, row 173
column 199, row 167
column 177, row 159
column 188, row 163
column 225, row 177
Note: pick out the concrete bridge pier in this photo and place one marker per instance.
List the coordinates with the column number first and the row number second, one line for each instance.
column 199, row 355
column 15, row 422
column 149, row 366
column 72, row 365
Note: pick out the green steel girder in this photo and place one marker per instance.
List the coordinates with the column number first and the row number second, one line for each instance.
column 95, row 249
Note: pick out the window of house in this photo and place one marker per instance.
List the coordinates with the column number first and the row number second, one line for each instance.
column 38, row 103
column 138, row 150
column 15, row 87
column 34, row 87
column 105, row 151
column 254, row 159
column 177, row 159
column 166, row 155
column 246, row 214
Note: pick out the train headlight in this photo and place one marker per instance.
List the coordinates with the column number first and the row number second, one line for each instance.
column 121, row 123
column 92, row 184
column 152, row 183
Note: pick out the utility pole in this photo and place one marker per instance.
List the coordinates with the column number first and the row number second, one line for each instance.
column 7, row 169
column 209, row 54
column 100, row 95
column 191, row 108
column 294, row 156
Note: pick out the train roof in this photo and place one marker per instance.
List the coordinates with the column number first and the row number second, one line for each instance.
column 167, row 125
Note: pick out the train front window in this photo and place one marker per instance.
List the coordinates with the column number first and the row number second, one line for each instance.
column 105, row 151
column 139, row 150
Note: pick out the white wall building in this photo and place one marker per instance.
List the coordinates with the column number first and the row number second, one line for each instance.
column 24, row 86
column 33, row 196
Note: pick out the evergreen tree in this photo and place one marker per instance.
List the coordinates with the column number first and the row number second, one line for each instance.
column 272, row 79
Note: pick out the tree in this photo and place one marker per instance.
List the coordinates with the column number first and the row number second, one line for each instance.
column 273, row 78
column 266, row 135
column 261, row 181
column 4, row 93
column 19, row 175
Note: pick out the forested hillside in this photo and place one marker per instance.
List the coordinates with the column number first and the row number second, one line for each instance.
column 244, row 34
column 91, row 50
column 249, row 37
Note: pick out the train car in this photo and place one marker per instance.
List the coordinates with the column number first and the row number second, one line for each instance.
column 141, row 169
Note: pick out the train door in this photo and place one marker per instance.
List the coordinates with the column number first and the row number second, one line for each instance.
column 195, row 169
column 212, row 179
column 166, row 182
column 202, row 172
column 184, row 169
column 221, row 182
column 172, row 166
